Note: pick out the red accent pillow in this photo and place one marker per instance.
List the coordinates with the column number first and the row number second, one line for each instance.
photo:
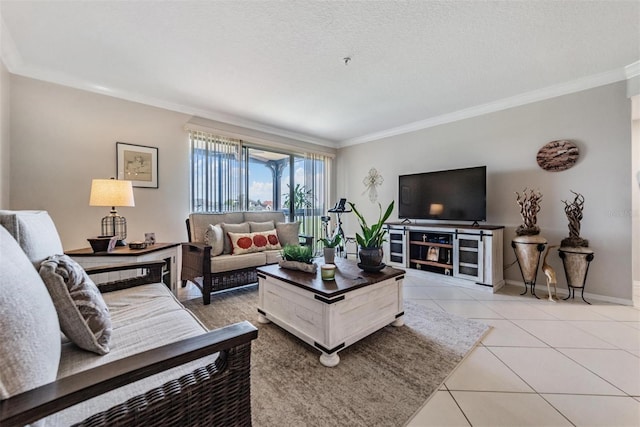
column 244, row 243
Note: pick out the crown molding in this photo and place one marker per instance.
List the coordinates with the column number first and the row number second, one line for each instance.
column 632, row 70
column 9, row 53
column 14, row 64
column 12, row 59
column 566, row 88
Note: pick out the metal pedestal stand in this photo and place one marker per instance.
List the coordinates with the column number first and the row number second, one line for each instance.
column 576, row 267
column 340, row 231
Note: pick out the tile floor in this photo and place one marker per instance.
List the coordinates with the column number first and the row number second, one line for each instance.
column 543, row 363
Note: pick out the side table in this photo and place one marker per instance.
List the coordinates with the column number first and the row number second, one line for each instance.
column 168, row 252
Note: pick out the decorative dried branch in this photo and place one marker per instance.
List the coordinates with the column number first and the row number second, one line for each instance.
column 529, row 202
column 573, row 211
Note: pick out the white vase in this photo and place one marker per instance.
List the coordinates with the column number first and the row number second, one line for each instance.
column 329, row 255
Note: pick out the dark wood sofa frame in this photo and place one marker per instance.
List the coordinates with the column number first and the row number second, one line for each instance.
column 216, row 394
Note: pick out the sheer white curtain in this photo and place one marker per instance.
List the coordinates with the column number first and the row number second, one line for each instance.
column 220, row 173
column 316, row 175
column 217, row 173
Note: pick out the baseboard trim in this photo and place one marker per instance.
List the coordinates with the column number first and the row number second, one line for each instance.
column 587, row 295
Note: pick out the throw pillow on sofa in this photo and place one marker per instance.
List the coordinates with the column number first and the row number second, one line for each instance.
column 83, row 314
column 261, row 226
column 214, row 237
column 244, row 243
column 30, row 333
column 288, row 233
column 233, row 228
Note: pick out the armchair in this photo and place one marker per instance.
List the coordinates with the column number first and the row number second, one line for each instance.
column 181, row 374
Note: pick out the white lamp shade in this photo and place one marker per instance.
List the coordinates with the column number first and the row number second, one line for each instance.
column 111, row 192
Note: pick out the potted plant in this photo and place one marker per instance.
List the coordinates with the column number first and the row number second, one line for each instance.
column 371, row 240
column 295, row 257
column 330, row 245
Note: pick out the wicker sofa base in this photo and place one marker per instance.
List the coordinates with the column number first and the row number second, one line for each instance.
column 217, row 394
column 222, row 281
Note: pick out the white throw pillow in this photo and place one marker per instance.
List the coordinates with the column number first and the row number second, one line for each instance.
column 30, row 332
column 243, row 227
column 214, row 237
column 244, row 243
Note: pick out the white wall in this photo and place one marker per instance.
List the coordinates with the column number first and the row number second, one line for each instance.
column 598, row 120
column 5, row 84
column 61, row 138
column 635, row 192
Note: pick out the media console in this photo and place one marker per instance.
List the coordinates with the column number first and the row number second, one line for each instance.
column 471, row 254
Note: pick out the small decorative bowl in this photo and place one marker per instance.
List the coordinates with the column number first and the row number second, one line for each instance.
column 100, row 243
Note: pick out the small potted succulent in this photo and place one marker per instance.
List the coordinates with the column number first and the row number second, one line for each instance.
column 296, row 257
column 330, row 245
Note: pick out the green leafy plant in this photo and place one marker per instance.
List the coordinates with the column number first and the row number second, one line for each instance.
column 372, row 236
column 302, row 198
column 297, row 253
column 331, row 242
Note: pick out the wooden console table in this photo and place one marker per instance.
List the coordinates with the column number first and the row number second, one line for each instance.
column 167, row 252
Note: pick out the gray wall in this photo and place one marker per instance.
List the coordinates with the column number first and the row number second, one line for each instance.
column 598, row 120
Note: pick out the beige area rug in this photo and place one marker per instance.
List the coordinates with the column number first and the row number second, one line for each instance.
column 380, row 381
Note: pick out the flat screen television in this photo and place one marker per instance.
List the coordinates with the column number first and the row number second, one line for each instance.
column 451, row 195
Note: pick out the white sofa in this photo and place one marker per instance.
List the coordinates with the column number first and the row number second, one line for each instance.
column 163, row 366
column 212, row 266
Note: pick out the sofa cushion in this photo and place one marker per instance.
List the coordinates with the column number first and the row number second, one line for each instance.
column 223, row 263
column 35, row 232
column 214, row 237
column 83, row 314
column 30, row 332
column 244, row 243
column 133, row 304
column 262, row 216
column 273, row 257
column 233, row 228
column 133, row 333
column 199, row 222
column 288, row 233
column 262, row 226
column 144, row 317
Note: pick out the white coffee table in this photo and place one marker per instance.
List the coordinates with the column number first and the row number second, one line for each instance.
column 330, row 315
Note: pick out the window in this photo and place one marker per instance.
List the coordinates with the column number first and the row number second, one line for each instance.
column 233, row 175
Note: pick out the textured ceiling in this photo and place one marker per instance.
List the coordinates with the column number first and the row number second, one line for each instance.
column 278, row 66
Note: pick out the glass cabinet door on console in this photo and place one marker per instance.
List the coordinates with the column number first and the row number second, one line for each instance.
column 468, row 256
column 396, row 246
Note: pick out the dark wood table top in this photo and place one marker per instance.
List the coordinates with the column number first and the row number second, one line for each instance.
column 122, row 250
column 348, row 277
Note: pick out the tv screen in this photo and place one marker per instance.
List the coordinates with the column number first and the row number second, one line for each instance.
column 452, row 195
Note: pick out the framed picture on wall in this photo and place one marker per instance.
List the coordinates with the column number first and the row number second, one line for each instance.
column 138, row 164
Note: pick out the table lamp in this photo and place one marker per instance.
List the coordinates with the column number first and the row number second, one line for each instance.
column 112, row 192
